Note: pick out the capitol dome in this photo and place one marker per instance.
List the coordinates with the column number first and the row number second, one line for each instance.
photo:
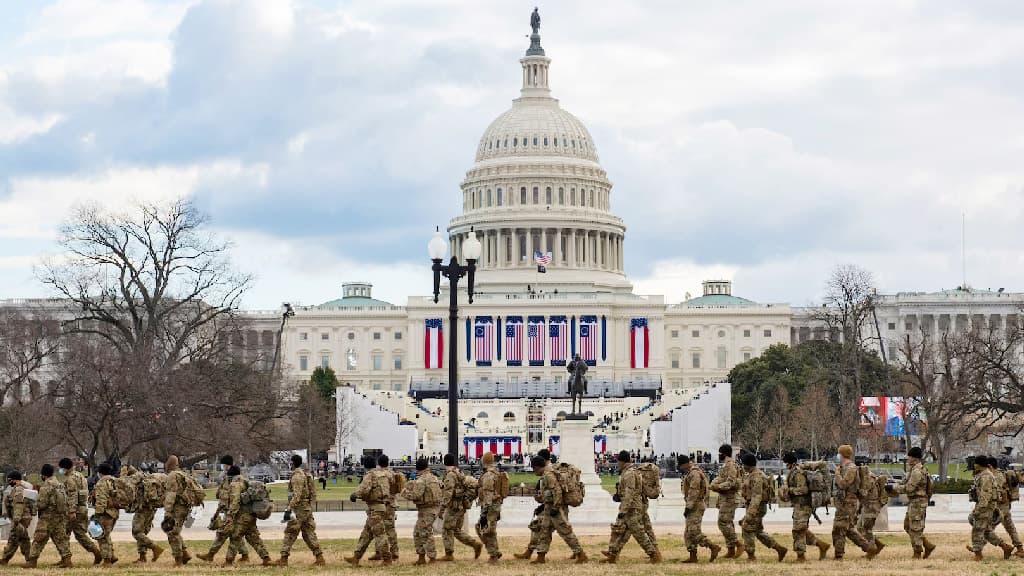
column 536, row 193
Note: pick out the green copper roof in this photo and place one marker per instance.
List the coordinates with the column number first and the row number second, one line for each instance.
column 354, row 302
column 718, row 300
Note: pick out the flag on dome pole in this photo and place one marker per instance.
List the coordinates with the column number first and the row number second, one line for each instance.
column 543, row 260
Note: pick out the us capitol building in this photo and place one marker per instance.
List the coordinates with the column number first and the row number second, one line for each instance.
column 537, row 192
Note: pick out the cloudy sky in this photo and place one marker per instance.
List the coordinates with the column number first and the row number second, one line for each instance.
column 764, row 142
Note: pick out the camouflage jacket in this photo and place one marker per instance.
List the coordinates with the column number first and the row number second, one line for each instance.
column 985, row 488
column 17, row 507
column 302, row 488
column 174, row 485
column 847, row 483
column 234, row 507
column 631, row 489
column 487, row 493
column 224, row 493
column 449, row 486
column 728, row 480
column 77, row 488
column 798, row 489
column 550, row 490
column 754, row 490
column 1002, row 496
column 102, row 493
column 915, row 485
column 695, row 488
column 426, row 487
column 365, row 488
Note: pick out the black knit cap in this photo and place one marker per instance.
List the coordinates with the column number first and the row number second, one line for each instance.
column 227, row 460
column 682, row 459
column 234, row 470
column 383, row 461
column 749, row 460
column 538, row 462
column 422, row 464
column 449, row 459
column 981, row 461
column 623, row 456
column 789, row 458
column 725, row 450
column 545, row 454
column 915, row 452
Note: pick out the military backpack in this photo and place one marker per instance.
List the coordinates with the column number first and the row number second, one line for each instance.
column 255, row 497
column 1012, row 485
column 152, row 490
column 470, row 490
column 501, row 485
column 573, row 490
column 380, row 488
column 650, row 477
column 397, row 483
column 431, row 493
column 192, row 492
column 122, row 493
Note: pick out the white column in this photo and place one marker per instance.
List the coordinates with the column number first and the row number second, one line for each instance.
column 544, row 240
column 558, row 247
column 501, row 247
column 529, row 245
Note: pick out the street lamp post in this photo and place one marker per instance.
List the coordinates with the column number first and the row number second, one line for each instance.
column 453, row 271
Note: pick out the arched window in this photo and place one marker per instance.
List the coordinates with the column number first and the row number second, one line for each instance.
column 547, row 195
column 545, row 140
column 572, row 196
column 534, row 140
column 561, row 196
column 561, row 415
column 472, row 197
column 591, row 198
column 509, row 417
column 536, row 195
column 499, row 197
column 481, row 416
column 522, row 195
column 506, row 142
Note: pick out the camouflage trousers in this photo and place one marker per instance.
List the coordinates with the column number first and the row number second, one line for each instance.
column 843, row 527
column 692, row 534
column 548, row 525
column 753, row 527
column 982, row 521
column 51, row 528
column 374, row 530
column 302, row 522
column 178, row 547
column 222, row 535
column 727, row 518
column 142, row 523
column 913, row 522
column 80, row 528
column 630, row 524
column 866, row 522
column 487, row 529
column 18, row 540
column 802, row 536
column 243, row 529
column 423, row 534
column 104, row 542
column 1007, row 521
column 389, row 530
column 454, row 522
column 649, row 528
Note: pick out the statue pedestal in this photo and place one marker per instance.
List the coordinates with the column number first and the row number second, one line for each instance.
column 669, row 507
column 577, row 448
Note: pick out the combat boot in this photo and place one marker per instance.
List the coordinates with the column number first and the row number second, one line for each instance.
column 375, row 557
column 477, row 548
column 1007, row 550
column 448, row 557
column 730, row 552
column 751, row 556
column 917, row 553
column 1019, row 553
column 609, row 558
column 110, row 562
column 4, row 561
column 977, row 555
column 494, row 559
column 421, row 560
column 228, row 562
column 740, row 548
column 781, row 551
column 800, row 558
column 870, row 552
column 539, row 559
column 283, row 561
column 141, row 560
column 655, row 558
column 692, row 559
column 353, row 560
column 319, row 560
column 386, row 562
column 184, row 558
column 715, row 549
column 65, row 562
column 207, row 557
column 29, row 564
column 97, row 557
column 823, row 549
column 928, row 548
column 267, row 561
column 157, row 551
column 523, row 555
column 244, row 559
column 581, row 557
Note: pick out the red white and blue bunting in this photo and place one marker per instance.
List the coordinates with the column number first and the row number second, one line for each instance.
column 475, row 447
column 555, row 444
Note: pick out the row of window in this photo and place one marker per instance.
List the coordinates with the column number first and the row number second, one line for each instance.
column 351, row 361
column 721, row 333
column 481, row 198
column 304, row 336
column 538, row 141
column 721, row 359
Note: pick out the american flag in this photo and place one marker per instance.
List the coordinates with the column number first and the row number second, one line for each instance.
column 535, row 336
column 542, row 259
column 639, row 348
column 514, row 341
column 433, row 344
column 557, row 334
column 588, row 339
column 484, row 337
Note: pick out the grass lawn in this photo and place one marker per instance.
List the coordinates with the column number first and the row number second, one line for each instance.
column 952, row 470
column 949, row 559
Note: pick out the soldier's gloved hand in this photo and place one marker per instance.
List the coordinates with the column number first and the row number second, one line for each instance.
column 352, row 497
column 483, row 521
column 888, row 488
column 538, row 510
column 554, row 512
column 616, row 498
column 94, row 518
column 686, row 512
column 621, row 516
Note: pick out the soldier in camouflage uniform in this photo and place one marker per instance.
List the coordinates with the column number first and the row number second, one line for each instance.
column 19, row 510
column 727, row 486
column 302, row 501
column 78, row 520
column 53, row 520
column 374, row 490
column 755, row 495
column 630, row 522
column 453, row 510
column 535, row 522
column 846, row 502
column 916, row 486
column 241, row 521
column 391, row 513
column 986, row 501
column 552, row 515
column 222, row 532
column 798, row 493
column 870, row 507
column 1003, row 479
column 176, row 510
column 142, row 518
column 490, row 508
column 695, row 492
column 104, row 513
column 425, row 493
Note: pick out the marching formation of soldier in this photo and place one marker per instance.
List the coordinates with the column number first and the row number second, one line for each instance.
column 858, row 495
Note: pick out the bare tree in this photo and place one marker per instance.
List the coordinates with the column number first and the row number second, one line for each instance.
column 814, row 421
column 756, row 425
column 780, row 430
